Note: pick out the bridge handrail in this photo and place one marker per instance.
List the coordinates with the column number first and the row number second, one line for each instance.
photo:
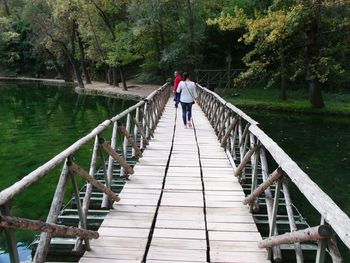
column 229, row 105
column 141, row 122
column 332, row 214
column 8, row 193
column 329, row 211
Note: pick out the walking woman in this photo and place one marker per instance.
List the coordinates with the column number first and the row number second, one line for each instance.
column 187, row 98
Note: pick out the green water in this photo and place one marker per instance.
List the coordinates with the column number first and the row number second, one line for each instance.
column 321, row 147
column 36, row 123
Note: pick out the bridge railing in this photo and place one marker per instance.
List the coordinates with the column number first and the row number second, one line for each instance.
column 141, row 121
column 248, row 146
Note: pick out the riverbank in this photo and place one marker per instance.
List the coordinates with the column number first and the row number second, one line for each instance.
column 268, row 100
column 134, row 92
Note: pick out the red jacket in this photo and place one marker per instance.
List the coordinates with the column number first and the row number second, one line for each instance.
column 176, row 82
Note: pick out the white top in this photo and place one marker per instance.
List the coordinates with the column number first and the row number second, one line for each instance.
column 189, row 91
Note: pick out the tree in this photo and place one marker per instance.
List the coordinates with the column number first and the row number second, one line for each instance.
column 56, row 29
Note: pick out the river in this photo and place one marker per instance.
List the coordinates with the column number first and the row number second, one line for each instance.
column 37, row 122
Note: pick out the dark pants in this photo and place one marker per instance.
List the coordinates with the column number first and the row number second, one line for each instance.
column 177, row 99
column 186, row 112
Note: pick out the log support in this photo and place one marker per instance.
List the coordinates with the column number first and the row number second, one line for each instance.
column 82, row 220
column 130, row 139
column 73, row 168
column 261, row 188
column 312, row 233
column 116, row 156
column 245, row 132
column 10, row 235
column 39, row 226
column 228, row 132
column 245, row 160
column 140, row 130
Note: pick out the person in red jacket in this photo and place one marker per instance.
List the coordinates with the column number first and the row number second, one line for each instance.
column 177, row 80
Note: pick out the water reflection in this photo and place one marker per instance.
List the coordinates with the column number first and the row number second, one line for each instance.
column 36, row 123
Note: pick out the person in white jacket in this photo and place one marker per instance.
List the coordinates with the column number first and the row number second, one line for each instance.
column 188, row 96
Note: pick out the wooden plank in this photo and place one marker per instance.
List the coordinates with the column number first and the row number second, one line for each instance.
column 181, row 224
column 123, row 232
column 236, row 227
column 179, row 234
column 115, row 253
column 178, row 243
column 193, row 255
column 234, row 236
column 239, row 257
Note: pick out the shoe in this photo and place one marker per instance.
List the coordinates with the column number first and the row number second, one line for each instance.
column 189, row 125
column 185, row 126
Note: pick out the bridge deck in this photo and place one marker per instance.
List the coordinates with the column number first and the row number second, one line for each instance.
column 181, row 205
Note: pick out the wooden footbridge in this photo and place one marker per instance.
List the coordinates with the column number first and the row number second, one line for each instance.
column 217, row 192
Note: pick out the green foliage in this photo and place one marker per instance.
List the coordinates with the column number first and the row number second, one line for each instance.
column 267, row 36
column 266, row 99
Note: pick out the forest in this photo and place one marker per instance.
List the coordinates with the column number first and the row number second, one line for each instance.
column 282, row 44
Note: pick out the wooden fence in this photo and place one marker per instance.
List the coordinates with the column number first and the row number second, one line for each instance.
column 141, row 121
column 216, row 78
column 233, row 126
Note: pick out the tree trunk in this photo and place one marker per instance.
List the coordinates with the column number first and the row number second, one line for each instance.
column 115, row 77
column 106, row 73
column 283, row 76
column 82, row 60
column 64, row 71
column 122, row 76
column 74, row 65
column 110, row 75
column 6, row 8
column 311, row 56
column 71, row 55
column 68, row 75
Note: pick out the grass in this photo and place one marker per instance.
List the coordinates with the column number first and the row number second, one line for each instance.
column 297, row 101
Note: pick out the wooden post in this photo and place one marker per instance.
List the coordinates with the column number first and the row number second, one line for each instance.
column 321, row 248
column 82, row 217
column 333, row 250
column 273, row 219
column 135, row 130
column 292, row 225
column 311, row 233
column 125, row 131
column 254, row 204
column 151, row 117
column 88, row 191
column 142, row 133
column 218, row 120
column 106, row 203
column 262, row 187
column 73, row 168
column 275, row 208
column 245, row 160
column 39, row 226
column 233, row 146
column 277, row 255
column 223, row 125
column 228, row 132
column 129, row 139
column 10, row 235
column 45, row 238
column 245, row 132
column 116, row 156
column 144, row 120
column 105, row 176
